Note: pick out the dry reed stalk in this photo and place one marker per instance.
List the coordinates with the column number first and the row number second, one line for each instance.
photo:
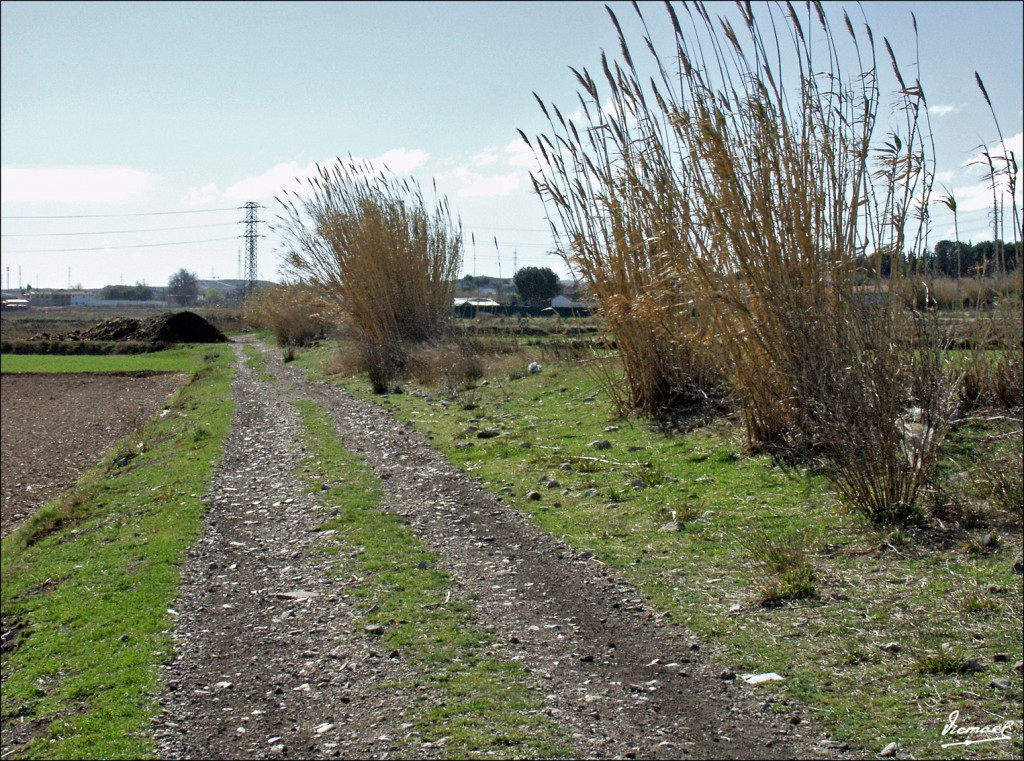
column 751, row 189
column 296, row 313
column 370, row 244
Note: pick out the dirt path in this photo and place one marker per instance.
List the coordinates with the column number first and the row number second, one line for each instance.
column 268, row 665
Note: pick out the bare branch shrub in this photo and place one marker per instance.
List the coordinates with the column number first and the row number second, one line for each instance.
column 369, row 243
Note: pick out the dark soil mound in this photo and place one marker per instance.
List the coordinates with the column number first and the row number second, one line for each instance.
column 180, row 327
column 170, row 327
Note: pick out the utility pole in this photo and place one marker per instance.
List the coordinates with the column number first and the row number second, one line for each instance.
column 250, row 248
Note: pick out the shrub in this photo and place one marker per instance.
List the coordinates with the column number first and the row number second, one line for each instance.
column 369, row 244
column 295, row 313
column 784, row 558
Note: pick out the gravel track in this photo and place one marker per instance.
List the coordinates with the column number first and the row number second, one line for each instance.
column 270, row 661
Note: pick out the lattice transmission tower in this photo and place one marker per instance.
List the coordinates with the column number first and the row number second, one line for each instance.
column 251, row 235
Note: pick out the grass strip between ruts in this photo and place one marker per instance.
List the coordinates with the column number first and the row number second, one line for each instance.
column 480, row 703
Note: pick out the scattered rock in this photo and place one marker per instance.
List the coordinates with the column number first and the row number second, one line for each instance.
column 553, row 484
column 600, row 444
column 890, row 750
column 727, row 675
column 1018, row 563
column 891, row 647
column 1001, row 684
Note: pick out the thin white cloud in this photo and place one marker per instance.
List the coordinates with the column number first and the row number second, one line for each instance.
column 1014, row 144
column 978, row 195
column 944, row 109
column 204, row 195
column 290, row 175
column 492, row 186
column 486, row 157
column 517, row 153
column 90, row 184
column 280, row 177
column 402, row 160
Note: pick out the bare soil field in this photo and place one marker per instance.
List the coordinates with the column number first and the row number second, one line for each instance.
column 57, row 426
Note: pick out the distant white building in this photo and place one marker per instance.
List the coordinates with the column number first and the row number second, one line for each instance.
column 563, row 302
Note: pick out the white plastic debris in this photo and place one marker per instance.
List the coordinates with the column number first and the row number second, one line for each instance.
column 771, row 676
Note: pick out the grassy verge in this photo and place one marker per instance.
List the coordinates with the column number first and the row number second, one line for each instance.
column 179, row 359
column 873, row 631
column 89, row 578
column 479, row 702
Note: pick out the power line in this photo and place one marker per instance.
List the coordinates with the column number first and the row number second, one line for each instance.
column 116, row 232
column 136, row 214
column 119, row 248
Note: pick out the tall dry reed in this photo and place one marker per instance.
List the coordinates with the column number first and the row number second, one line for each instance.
column 368, row 241
column 295, row 312
column 993, row 366
column 719, row 209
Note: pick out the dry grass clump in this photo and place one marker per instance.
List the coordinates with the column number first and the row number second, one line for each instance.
column 790, row 575
column 719, row 216
column 622, row 209
column 453, row 364
column 369, row 244
column 295, row 313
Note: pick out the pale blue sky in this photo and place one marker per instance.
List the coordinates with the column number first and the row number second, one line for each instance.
column 135, row 108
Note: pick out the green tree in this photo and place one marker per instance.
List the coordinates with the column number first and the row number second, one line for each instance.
column 183, row 287
column 536, row 284
column 214, row 296
column 137, row 292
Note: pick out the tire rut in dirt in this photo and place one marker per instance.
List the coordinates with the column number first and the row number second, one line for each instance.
column 266, row 664
column 624, row 681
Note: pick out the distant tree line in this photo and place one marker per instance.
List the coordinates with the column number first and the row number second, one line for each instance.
column 137, row 292
column 951, row 259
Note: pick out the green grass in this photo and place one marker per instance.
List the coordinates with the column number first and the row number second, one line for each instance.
column 180, row 359
column 482, row 704
column 89, row 578
column 257, row 360
column 861, row 589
